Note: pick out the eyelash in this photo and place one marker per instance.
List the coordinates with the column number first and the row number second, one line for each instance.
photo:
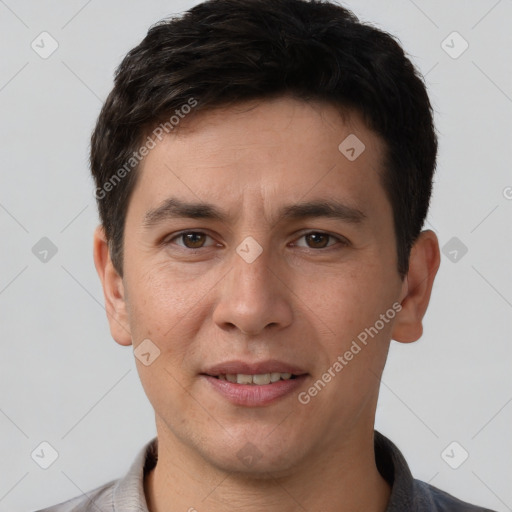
column 341, row 241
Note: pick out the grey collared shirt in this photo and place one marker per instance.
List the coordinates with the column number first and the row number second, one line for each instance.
column 407, row 494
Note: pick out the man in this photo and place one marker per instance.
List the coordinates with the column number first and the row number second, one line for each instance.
column 263, row 172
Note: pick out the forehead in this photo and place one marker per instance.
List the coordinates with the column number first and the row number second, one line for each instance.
column 261, row 155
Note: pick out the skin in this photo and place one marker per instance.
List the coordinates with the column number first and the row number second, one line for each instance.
column 298, row 302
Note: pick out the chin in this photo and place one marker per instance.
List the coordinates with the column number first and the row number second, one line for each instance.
column 262, row 458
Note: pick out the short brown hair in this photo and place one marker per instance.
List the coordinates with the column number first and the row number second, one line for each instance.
column 222, row 52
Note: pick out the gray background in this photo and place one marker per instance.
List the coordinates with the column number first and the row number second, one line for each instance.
column 65, row 381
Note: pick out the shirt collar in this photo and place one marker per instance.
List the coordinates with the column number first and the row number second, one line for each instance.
column 394, row 469
column 128, row 493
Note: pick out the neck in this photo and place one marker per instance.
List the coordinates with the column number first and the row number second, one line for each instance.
column 341, row 479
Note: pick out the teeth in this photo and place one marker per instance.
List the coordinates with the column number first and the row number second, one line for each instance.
column 243, row 379
column 261, row 379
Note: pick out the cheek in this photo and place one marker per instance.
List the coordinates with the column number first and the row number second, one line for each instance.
column 346, row 299
column 165, row 309
column 351, row 307
column 168, row 292
column 156, row 303
column 169, row 307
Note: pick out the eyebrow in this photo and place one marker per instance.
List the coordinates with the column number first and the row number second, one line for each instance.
column 173, row 208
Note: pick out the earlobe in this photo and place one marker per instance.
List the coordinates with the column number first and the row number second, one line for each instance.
column 113, row 289
column 417, row 287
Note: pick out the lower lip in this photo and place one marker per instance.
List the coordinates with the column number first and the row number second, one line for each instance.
column 253, row 395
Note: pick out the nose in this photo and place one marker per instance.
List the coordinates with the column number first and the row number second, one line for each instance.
column 254, row 296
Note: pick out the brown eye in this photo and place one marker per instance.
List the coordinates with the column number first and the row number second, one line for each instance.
column 193, row 240
column 320, row 240
column 189, row 240
column 317, row 240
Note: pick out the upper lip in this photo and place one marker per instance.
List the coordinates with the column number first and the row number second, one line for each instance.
column 256, row 368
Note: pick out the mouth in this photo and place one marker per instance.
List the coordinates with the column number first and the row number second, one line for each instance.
column 252, row 383
column 261, row 379
column 255, row 390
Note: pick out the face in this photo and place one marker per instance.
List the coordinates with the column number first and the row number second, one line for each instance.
column 264, row 273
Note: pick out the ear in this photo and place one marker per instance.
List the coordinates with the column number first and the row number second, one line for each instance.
column 424, row 263
column 113, row 290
